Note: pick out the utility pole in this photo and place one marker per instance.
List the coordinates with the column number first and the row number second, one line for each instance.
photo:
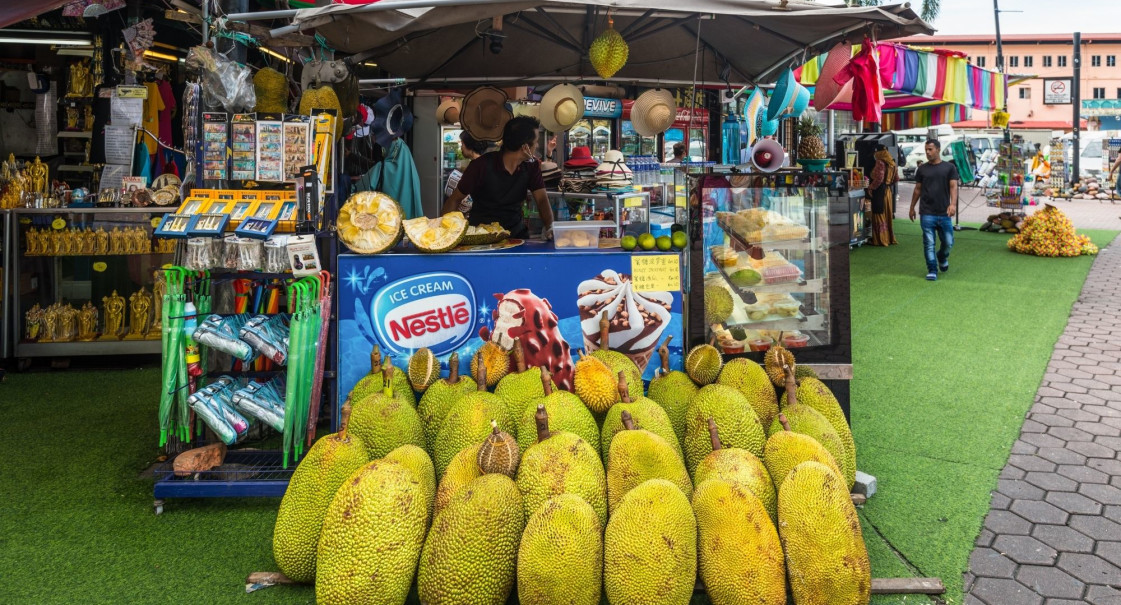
column 1076, row 101
column 1000, row 68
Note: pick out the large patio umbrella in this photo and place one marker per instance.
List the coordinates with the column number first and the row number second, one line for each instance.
column 450, row 41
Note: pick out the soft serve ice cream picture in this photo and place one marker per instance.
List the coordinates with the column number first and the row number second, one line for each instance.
column 636, row 320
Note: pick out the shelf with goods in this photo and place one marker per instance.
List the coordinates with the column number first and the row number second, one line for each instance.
column 1060, row 170
column 1008, row 190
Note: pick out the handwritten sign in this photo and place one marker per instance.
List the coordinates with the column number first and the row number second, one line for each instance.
column 132, row 92
column 632, row 202
column 656, row 272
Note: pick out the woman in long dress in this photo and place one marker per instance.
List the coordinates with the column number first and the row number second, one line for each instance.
column 879, row 191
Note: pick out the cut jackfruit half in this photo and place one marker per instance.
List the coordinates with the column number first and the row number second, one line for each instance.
column 370, row 222
column 490, row 233
column 436, row 234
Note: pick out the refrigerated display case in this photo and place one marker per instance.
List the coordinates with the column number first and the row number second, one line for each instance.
column 451, row 159
column 632, row 143
column 596, row 134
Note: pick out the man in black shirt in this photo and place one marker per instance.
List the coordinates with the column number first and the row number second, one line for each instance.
column 936, row 185
column 498, row 181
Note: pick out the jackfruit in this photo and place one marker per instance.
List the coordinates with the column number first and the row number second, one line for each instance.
column 420, row 464
column 384, row 421
column 566, row 413
column 519, row 388
column 463, row 469
column 561, row 463
column 739, row 426
column 370, row 222
column 826, row 560
column 813, row 393
column 595, row 384
column 786, row 449
column 718, row 304
column 808, row 421
column 801, row 371
column 560, row 559
column 499, row 453
column 470, row 555
column 650, row 547
column 439, row 234
column 647, row 415
column 673, row 391
column 424, row 369
column 621, row 363
column 608, row 52
column 738, row 548
column 495, row 359
column 773, row 361
column 468, row 423
column 374, row 381
column 439, row 399
column 637, row 455
column 751, row 380
column 329, row 462
column 739, row 467
column 702, row 364
column 372, row 537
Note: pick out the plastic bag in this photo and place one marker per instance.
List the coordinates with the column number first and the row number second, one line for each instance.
column 214, row 405
column 268, row 334
column 221, row 333
column 264, row 402
column 224, row 82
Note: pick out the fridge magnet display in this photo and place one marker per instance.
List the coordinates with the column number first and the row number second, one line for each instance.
column 303, row 255
column 206, row 224
column 192, row 206
column 287, row 212
column 265, row 209
column 296, row 146
column 243, row 145
column 240, row 210
column 217, row 206
column 256, row 228
column 215, row 138
column 174, row 225
column 270, row 151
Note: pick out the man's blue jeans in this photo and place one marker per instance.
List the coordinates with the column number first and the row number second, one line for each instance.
column 944, row 227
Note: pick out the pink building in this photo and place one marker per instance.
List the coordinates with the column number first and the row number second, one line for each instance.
column 1049, row 58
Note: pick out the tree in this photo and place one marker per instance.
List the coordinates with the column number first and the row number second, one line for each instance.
column 930, row 8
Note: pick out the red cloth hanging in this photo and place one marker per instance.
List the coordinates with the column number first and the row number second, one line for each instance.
column 867, row 90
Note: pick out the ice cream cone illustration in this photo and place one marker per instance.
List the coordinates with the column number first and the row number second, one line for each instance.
column 634, row 320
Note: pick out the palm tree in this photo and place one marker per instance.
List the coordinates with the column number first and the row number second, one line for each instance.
column 930, row 8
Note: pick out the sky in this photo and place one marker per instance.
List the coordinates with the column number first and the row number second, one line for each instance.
column 1038, row 16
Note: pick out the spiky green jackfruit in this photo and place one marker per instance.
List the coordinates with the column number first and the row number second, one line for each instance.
column 560, row 559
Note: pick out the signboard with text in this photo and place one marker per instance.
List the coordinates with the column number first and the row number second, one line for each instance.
column 1057, row 91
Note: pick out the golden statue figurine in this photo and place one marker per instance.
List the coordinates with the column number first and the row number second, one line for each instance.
column 56, row 243
column 64, row 242
column 37, row 176
column 159, row 290
column 87, row 322
column 114, row 309
column 13, row 191
column 33, row 323
column 32, row 242
column 89, row 240
column 87, row 119
column 71, row 118
column 102, row 241
column 143, row 241
column 67, row 323
column 128, row 246
column 115, row 243
column 140, row 314
column 80, row 83
column 50, row 323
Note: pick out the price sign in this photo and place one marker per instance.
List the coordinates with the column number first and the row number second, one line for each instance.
column 656, row 272
column 632, row 202
column 58, row 224
column 132, row 92
column 100, row 267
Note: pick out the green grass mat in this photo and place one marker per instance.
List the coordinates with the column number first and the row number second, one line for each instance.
column 944, row 373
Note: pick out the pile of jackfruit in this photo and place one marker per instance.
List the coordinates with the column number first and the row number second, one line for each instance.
column 737, row 474
column 1049, row 232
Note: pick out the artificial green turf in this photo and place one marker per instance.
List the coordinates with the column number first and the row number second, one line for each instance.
column 943, row 375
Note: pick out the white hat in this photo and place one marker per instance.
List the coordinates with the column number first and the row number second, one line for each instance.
column 448, row 112
column 653, row 112
column 484, row 114
column 612, row 168
column 562, row 107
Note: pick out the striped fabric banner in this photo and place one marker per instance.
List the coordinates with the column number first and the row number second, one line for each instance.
column 920, row 118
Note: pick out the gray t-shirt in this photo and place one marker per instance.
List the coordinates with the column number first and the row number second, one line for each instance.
column 935, row 181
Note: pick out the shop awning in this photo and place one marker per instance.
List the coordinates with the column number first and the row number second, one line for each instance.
column 1097, row 108
column 14, row 11
column 449, row 41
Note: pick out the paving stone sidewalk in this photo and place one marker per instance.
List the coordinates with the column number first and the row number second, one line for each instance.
column 1053, row 533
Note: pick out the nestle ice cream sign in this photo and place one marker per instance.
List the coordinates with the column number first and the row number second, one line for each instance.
column 434, row 310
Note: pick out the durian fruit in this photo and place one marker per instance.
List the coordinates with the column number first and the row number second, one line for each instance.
column 739, row 467
column 646, row 414
column 616, row 360
column 718, row 304
column 498, row 453
column 826, row 560
column 520, row 388
column 560, row 559
column 751, row 380
column 566, row 413
column 786, row 449
column 595, row 384
column 609, row 51
column 329, row 462
column 440, row 397
column 495, row 358
column 637, row 456
column 463, row 469
column 703, row 364
column 813, row 393
column 370, row 222
column 776, row 357
column 424, row 369
column 271, row 88
column 439, row 234
column 739, row 553
column 650, row 547
column 739, row 426
column 384, row 421
column 673, row 391
column 469, row 422
column 420, row 464
column 561, row 463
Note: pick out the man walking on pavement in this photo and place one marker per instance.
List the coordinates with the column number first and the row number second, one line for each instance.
column 936, row 186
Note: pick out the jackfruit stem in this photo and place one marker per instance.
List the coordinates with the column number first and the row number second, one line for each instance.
column 519, row 355
column 663, row 353
column 344, row 421
column 604, row 332
column 791, row 386
column 624, row 392
column 375, row 360
column 453, row 369
column 628, row 421
column 481, row 372
column 714, row 435
column 541, row 419
column 546, row 382
column 387, row 377
column 783, row 421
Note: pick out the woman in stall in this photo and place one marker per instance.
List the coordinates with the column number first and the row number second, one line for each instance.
column 879, row 195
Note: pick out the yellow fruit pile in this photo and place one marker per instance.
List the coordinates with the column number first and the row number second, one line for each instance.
column 1050, row 233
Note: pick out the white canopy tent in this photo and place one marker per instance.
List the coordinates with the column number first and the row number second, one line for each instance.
column 704, row 41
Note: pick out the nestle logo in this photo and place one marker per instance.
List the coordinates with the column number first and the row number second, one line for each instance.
column 434, row 310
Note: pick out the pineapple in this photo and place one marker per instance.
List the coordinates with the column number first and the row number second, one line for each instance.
column 810, row 145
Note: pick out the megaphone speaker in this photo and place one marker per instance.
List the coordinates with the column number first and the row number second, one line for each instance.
column 767, row 155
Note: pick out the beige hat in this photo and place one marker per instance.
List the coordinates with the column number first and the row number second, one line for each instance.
column 484, row 113
column 561, row 108
column 448, row 112
column 653, row 112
